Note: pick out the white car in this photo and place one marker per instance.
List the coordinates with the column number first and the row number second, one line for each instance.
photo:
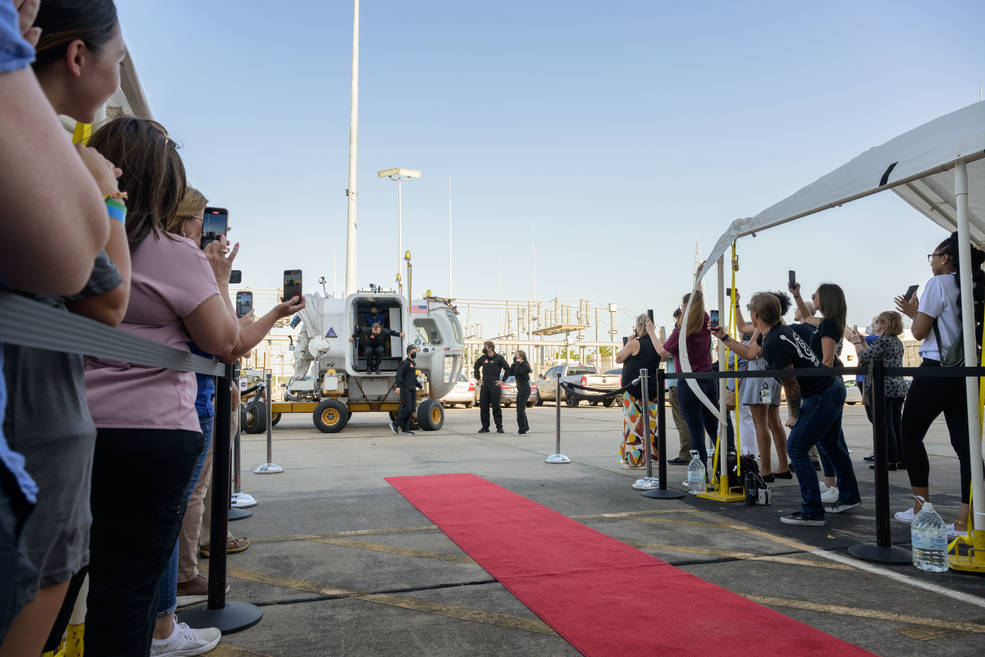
column 462, row 393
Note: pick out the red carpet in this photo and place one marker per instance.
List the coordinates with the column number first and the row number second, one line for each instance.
column 602, row 596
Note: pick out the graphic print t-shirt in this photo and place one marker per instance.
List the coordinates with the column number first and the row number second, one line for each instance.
column 783, row 347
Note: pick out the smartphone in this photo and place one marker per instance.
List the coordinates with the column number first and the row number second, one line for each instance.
column 292, row 284
column 910, row 291
column 244, row 303
column 649, row 313
column 215, row 222
column 728, row 293
column 793, row 277
column 236, row 277
column 714, row 318
column 624, row 341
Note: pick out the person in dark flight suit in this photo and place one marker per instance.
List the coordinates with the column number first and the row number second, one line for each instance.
column 374, row 340
column 520, row 370
column 487, row 371
column 406, row 386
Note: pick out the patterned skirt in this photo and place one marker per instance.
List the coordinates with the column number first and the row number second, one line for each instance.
column 631, row 449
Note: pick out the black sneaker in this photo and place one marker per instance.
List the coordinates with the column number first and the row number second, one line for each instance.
column 783, row 475
column 769, row 478
column 799, row 519
column 870, row 458
column 500, row 430
column 393, row 427
column 483, row 430
column 407, row 432
column 678, row 461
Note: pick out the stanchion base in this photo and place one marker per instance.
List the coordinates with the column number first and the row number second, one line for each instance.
column 239, row 514
column 878, row 554
column 719, row 496
column 966, row 563
column 243, row 501
column 558, row 458
column 664, row 494
column 234, row 617
column 646, row 483
column 268, row 468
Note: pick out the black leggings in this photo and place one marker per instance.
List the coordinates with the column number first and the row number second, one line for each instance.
column 927, row 399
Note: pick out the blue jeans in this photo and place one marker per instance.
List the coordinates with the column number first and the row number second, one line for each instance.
column 167, row 598
column 820, row 423
column 699, row 418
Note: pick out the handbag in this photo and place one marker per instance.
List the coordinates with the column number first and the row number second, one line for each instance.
column 955, row 353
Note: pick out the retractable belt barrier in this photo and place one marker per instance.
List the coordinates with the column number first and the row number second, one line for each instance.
column 30, row 323
column 573, row 390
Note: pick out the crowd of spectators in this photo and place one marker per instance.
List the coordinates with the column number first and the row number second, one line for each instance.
column 100, row 459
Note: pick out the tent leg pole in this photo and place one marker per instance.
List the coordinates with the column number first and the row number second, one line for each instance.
column 722, row 402
column 970, row 348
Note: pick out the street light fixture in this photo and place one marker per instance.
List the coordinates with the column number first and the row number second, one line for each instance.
column 399, row 176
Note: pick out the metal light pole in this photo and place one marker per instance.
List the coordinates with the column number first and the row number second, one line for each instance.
column 399, row 176
column 350, row 243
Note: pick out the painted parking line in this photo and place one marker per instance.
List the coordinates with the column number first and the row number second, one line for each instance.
column 391, row 549
column 873, row 614
column 743, row 556
column 343, row 534
column 413, row 604
column 226, row 650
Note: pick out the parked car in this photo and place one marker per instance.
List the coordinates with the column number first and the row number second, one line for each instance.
column 583, row 375
column 509, row 393
column 463, row 393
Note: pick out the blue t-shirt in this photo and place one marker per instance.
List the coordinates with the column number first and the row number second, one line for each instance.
column 206, row 386
column 15, row 54
column 373, row 318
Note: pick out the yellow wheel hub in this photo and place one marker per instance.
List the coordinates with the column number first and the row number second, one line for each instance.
column 330, row 416
column 436, row 414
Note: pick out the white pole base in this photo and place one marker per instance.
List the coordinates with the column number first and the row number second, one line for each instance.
column 558, row 458
column 646, row 483
column 268, row 468
column 243, row 501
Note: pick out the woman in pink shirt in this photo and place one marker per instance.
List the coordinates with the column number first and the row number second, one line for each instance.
column 148, row 431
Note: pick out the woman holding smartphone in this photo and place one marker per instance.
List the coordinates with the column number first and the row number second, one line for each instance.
column 638, row 353
column 937, row 321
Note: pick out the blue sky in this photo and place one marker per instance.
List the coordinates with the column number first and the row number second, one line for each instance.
column 625, row 132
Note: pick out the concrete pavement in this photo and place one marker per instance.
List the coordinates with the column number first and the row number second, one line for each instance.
column 343, row 565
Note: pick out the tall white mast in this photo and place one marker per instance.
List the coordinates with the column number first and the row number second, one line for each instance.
column 350, row 244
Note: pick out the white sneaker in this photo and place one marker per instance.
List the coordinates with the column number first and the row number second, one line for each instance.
column 953, row 533
column 905, row 516
column 823, row 486
column 184, row 641
column 829, row 495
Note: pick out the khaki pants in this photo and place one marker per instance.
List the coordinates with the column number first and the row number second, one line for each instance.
column 198, row 516
column 685, row 451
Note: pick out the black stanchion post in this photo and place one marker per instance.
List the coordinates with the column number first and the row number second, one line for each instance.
column 883, row 551
column 229, row 617
column 662, row 492
column 648, row 482
column 557, row 456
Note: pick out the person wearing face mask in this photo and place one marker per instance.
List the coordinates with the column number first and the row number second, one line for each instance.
column 406, row 386
column 520, row 369
column 488, row 368
column 373, row 340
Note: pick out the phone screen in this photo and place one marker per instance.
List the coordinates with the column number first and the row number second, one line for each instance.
column 793, row 277
column 292, row 284
column 215, row 222
column 624, row 341
column 649, row 313
column 714, row 317
column 244, row 303
column 910, row 291
column 236, row 277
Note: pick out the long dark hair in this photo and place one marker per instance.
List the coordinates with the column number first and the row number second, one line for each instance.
column 831, row 299
column 950, row 247
column 64, row 21
column 153, row 173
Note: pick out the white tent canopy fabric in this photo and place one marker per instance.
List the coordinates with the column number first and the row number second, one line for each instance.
column 917, row 165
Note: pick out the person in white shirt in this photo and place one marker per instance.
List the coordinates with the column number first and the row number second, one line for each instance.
column 937, row 321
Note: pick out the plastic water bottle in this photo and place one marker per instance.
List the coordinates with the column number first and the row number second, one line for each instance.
column 695, row 474
column 928, row 537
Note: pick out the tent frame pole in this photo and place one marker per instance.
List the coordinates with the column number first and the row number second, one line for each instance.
column 970, row 350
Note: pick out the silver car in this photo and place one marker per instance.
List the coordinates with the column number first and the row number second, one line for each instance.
column 463, row 393
column 508, row 392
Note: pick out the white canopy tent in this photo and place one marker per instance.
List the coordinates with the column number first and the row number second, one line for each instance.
column 939, row 169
